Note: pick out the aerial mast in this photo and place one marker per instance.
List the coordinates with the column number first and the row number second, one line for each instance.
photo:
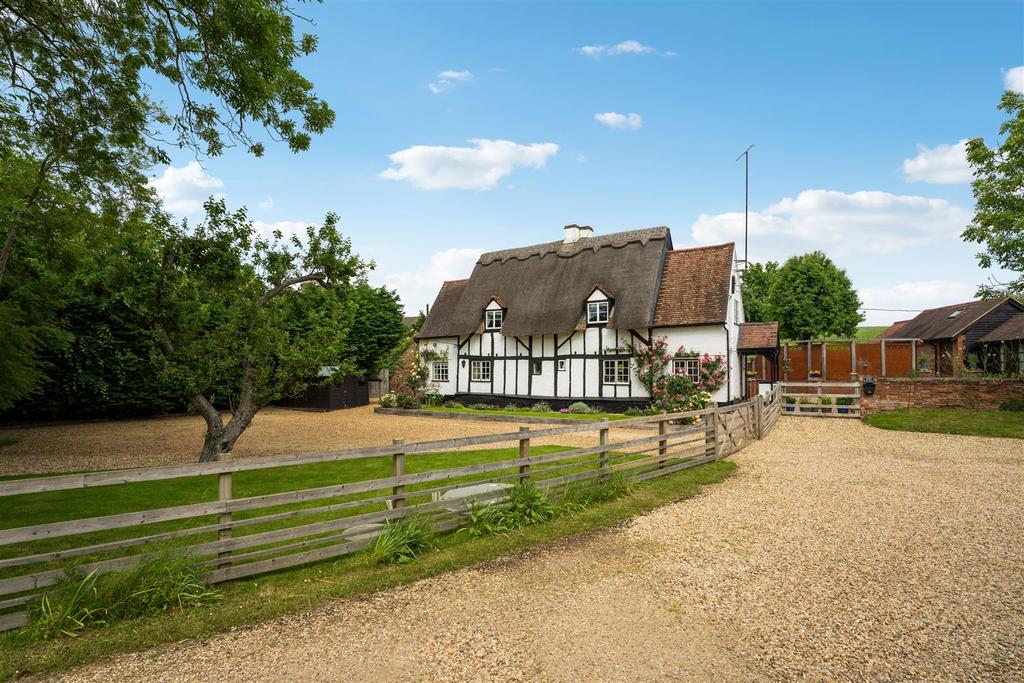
column 746, row 201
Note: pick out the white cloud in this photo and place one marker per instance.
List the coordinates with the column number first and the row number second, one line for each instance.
column 626, row 47
column 449, row 79
column 939, row 164
column 418, row 288
column 471, row 168
column 839, row 223
column 267, row 203
column 1013, row 79
column 912, row 297
column 287, row 228
column 183, row 190
column 615, row 120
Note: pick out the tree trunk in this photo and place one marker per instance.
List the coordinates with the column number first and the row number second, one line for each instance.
column 219, row 442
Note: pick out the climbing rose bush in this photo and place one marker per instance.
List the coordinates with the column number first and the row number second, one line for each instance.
column 675, row 392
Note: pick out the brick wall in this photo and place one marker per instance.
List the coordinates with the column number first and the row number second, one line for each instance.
column 940, row 392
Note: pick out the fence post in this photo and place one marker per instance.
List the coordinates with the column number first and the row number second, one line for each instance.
column 711, row 432
column 398, row 470
column 758, row 418
column 524, row 454
column 224, row 533
column 663, row 438
column 602, row 462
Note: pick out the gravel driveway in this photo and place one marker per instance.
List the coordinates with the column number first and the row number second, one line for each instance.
column 837, row 551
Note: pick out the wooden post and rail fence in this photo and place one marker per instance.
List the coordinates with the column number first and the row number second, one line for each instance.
column 291, row 528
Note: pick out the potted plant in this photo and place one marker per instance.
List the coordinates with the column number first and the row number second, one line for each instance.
column 814, row 375
column 807, row 402
column 825, row 404
column 843, row 404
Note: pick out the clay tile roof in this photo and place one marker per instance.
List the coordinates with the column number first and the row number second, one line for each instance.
column 695, row 286
column 894, row 330
column 754, row 336
column 1010, row 330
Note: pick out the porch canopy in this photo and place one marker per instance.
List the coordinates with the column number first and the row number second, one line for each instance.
column 761, row 339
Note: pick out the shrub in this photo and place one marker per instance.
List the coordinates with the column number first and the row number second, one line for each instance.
column 432, row 400
column 484, row 519
column 579, row 408
column 406, row 401
column 526, row 505
column 389, row 400
column 541, row 407
column 157, row 585
column 1014, row 405
column 483, row 406
column 402, row 540
column 633, row 411
column 825, row 401
column 452, row 404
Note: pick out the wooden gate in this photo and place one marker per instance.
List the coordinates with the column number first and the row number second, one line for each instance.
column 821, row 399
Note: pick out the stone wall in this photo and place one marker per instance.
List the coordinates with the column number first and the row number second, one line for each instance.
column 893, row 393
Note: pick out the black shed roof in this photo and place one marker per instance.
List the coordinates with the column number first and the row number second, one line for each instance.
column 948, row 322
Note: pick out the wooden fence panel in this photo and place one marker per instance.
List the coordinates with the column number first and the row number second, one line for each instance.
column 716, row 433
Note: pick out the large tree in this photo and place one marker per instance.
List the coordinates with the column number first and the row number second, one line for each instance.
column 811, row 297
column 998, row 187
column 377, row 328
column 81, row 84
column 243, row 319
column 755, row 284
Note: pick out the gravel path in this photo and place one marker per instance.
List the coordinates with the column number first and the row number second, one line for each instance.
column 274, row 431
column 837, row 551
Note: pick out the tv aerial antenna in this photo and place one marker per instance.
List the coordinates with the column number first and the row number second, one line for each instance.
column 746, row 203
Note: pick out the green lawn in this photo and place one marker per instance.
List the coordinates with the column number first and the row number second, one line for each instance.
column 952, row 421
column 56, row 506
column 530, row 413
column 870, row 332
column 270, row 595
column 9, row 440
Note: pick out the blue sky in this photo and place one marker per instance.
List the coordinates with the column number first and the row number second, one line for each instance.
column 478, row 126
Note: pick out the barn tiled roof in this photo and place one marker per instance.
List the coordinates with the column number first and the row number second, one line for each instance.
column 695, row 286
column 945, row 322
column 544, row 287
column 1010, row 330
column 894, row 330
column 754, row 336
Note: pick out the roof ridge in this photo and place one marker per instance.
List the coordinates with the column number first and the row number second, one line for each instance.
column 705, row 246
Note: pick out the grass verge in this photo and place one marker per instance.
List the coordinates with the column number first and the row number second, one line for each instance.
column 248, row 601
column 8, row 440
column 530, row 413
column 960, row 421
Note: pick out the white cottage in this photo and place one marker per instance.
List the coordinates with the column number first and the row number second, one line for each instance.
column 548, row 322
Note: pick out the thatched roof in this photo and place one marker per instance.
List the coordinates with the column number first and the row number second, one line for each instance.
column 544, row 287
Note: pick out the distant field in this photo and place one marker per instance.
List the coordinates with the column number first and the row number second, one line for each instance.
column 870, row 332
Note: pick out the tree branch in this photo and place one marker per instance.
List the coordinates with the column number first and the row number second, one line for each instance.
column 288, row 282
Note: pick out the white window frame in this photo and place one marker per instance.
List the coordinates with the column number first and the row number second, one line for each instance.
column 480, row 371
column 494, row 319
column 598, row 312
column 687, row 366
column 619, row 371
column 439, row 371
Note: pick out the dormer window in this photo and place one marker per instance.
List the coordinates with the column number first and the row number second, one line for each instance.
column 493, row 319
column 597, row 312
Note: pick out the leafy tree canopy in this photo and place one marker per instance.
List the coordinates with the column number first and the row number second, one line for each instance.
column 76, row 95
column 810, row 297
column 998, row 187
column 377, row 328
column 754, row 286
column 252, row 317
